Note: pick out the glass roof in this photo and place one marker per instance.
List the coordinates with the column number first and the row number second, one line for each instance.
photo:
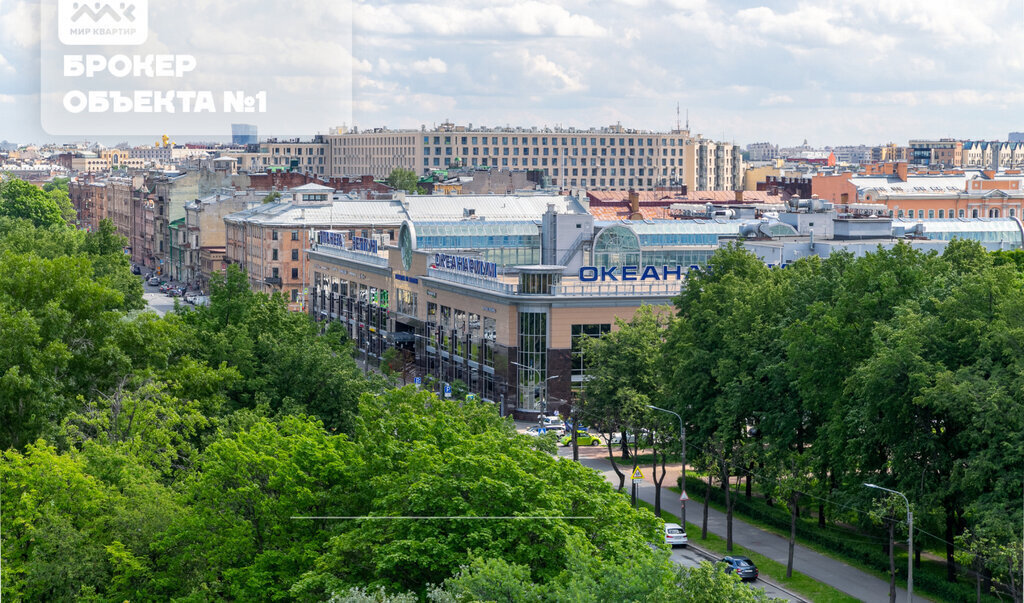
column 477, row 228
column 963, row 224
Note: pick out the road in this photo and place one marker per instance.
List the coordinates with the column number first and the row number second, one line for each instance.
column 691, row 556
column 161, row 303
column 836, row 574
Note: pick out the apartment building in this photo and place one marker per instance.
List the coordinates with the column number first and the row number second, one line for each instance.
column 763, row 151
column 268, row 240
column 611, row 158
column 204, row 231
column 307, row 157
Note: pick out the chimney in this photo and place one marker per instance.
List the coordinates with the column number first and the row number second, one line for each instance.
column 634, row 205
column 739, row 196
column 901, row 171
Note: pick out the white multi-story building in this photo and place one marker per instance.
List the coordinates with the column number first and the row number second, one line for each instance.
column 612, row 158
column 763, row 151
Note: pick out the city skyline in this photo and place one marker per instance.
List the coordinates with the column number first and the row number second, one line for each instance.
column 862, row 72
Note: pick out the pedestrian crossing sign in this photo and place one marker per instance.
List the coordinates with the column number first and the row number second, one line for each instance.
column 637, row 474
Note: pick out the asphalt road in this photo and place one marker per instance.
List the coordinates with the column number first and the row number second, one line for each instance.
column 161, row 303
column 837, row 574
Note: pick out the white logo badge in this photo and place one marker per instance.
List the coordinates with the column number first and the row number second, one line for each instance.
column 103, row 22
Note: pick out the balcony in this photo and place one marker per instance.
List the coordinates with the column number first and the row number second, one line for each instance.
column 273, row 280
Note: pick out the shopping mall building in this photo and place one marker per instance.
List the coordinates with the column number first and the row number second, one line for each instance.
column 501, row 297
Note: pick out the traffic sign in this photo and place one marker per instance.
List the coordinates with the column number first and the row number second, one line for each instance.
column 637, row 474
column 683, row 497
column 418, row 381
column 447, row 390
column 471, row 396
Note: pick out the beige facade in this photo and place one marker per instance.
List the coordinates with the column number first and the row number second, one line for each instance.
column 612, row 158
column 204, row 227
column 484, row 332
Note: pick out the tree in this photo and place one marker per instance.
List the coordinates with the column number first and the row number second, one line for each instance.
column 424, row 456
column 404, row 180
column 623, row 376
column 19, row 199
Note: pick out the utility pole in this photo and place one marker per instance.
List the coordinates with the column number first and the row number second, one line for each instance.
column 682, row 482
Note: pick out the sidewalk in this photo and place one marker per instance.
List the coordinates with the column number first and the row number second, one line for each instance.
column 836, row 574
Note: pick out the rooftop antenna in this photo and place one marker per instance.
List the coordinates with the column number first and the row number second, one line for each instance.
column 687, row 119
column 677, row 116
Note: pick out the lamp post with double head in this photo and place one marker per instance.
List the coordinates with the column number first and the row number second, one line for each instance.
column 682, row 482
column 910, row 541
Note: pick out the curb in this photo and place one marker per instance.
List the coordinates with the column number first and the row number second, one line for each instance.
column 710, row 557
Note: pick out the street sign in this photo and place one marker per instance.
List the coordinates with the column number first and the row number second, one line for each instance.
column 471, row 396
column 637, row 474
column 418, row 381
column 683, row 497
column 447, row 390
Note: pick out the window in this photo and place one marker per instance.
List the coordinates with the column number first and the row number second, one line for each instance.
column 532, row 373
column 942, row 214
column 295, row 273
column 275, row 272
column 960, row 214
column 295, row 295
column 579, row 332
column 295, row 254
column 273, row 235
column 273, row 255
column 931, row 214
column 295, row 235
column 974, row 213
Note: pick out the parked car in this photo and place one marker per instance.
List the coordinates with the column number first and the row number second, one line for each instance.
column 173, row 292
column 742, row 566
column 154, row 281
column 583, row 438
column 201, row 300
column 675, row 535
column 136, row 269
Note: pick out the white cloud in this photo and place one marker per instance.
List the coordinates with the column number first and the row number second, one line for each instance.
column 20, row 25
column 502, row 19
column 776, row 99
column 5, row 66
column 549, row 72
column 432, row 65
column 6, row 99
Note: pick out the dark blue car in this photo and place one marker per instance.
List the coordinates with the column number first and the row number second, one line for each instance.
column 743, row 567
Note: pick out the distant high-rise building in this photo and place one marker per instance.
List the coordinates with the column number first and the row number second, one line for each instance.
column 244, row 134
column 1015, row 137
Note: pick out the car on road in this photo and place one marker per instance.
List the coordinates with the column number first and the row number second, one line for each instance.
column 741, row 566
column 675, row 535
column 154, row 281
column 583, row 438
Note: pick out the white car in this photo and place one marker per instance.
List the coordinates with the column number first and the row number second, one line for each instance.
column 675, row 535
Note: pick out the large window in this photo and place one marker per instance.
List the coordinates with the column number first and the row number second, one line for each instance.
column 406, row 302
column 579, row 332
column 533, row 348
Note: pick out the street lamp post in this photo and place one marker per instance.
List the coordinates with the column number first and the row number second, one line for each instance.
column 910, row 541
column 541, row 382
column 682, row 482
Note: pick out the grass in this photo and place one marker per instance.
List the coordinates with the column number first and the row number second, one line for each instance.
column 809, row 588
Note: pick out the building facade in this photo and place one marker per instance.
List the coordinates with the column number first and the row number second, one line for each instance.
column 612, row 158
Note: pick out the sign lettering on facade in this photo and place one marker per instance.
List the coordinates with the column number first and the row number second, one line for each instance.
column 330, row 237
column 459, row 263
column 364, row 244
column 589, row 274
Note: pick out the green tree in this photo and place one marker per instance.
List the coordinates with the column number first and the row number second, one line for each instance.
column 404, row 180
column 19, row 199
column 624, row 376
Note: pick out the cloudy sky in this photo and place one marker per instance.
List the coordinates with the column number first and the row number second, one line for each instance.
column 831, row 72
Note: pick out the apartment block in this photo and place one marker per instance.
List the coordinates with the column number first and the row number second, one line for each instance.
column 611, row 158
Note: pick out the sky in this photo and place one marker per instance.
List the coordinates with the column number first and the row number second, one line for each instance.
column 831, row 72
